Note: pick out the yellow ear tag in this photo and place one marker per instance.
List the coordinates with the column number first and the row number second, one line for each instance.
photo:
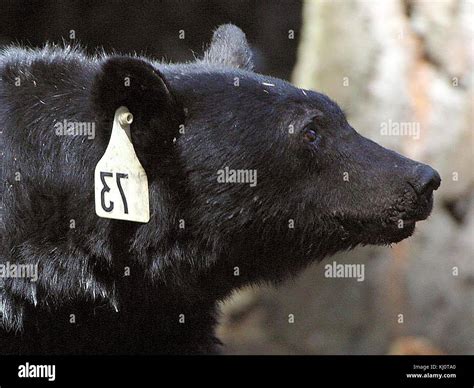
column 121, row 184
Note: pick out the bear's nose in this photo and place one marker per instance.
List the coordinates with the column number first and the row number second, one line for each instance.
column 426, row 180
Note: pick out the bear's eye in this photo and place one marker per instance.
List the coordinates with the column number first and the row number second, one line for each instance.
column 309, row 133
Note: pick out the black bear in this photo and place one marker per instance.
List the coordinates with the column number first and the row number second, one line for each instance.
column 250, row 180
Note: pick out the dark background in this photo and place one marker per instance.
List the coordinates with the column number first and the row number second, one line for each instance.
column 152, row 27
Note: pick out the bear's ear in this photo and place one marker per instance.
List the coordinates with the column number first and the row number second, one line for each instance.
column 229, row 47
column 139, row 86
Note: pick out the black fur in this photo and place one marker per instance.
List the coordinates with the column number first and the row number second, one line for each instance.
column 175, row 270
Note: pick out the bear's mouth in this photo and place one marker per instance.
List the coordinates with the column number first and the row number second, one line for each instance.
column 402, row 218
column 411, row 211
column 395, row 224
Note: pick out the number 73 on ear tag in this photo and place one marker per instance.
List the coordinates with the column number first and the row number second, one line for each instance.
column 120, row 182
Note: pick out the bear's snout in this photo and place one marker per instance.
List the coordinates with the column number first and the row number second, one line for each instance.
column 417, row 201
column 425, row 180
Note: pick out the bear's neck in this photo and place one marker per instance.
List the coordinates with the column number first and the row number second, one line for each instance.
column 148, row 319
